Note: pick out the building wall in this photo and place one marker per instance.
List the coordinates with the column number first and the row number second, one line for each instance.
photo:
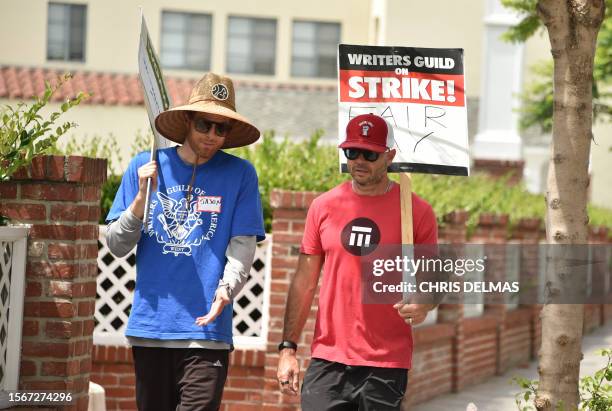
column 113, row 29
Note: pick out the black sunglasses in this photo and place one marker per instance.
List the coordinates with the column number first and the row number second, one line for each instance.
column 203, row 125
column 353, row 153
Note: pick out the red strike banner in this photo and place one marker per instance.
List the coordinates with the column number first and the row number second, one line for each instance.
column 414, row 87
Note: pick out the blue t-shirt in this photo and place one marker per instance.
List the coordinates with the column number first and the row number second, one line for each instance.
column 181, row 253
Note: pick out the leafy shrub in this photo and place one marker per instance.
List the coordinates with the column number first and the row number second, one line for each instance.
column 24, row 133
column 595, row 390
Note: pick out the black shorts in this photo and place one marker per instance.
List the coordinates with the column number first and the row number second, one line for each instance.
column 181, row 379
column 334, row 386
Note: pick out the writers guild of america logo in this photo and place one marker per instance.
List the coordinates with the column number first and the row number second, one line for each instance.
column 360, row 236
column 220, row 92
column 365, row 130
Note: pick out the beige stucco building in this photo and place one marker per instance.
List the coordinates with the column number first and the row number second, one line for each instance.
column 282, row 56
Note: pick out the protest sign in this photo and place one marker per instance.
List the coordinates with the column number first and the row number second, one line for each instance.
column 420, row 92
column 156, row 96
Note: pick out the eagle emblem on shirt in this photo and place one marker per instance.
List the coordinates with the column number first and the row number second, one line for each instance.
column 178, row 219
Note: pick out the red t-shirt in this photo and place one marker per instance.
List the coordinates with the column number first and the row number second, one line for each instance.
column 346, row 330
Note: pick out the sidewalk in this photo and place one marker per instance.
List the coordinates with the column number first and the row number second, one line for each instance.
column 498, row 393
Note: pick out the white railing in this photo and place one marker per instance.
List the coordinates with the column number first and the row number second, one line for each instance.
column 13, row 248
column 117, row 278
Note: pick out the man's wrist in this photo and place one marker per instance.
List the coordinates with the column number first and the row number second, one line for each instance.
column 287, row 344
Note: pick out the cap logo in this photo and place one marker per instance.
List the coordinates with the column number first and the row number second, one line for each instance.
column 365, row 128
column 220, row 92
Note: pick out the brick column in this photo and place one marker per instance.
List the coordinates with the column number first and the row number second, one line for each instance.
column 59, row 198
column 288, row 216
column 513, row 169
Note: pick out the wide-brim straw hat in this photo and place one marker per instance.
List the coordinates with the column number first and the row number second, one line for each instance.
column 212, row 94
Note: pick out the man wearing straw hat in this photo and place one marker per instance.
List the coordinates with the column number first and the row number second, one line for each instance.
column 360, row 353
column 195, row 253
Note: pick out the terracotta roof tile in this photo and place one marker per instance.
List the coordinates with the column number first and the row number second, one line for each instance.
column 111, row 88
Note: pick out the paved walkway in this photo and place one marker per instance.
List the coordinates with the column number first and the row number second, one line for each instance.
column 498, row 393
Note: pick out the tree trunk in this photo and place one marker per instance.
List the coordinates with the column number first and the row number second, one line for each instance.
column 572, row 27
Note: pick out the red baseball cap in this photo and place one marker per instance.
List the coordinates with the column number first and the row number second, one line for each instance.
column 368, row 132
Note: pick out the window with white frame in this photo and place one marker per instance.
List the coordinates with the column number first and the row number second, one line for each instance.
column 66, row 32
column 186, row 40
column 314, row 49
column 251, row 45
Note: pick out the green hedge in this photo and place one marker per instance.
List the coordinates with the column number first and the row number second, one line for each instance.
column 311, row 166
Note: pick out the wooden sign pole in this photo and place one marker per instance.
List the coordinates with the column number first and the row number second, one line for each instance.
column 406, row 224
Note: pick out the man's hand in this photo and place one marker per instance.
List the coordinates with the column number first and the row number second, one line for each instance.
column 221, row 300
column 288, row 372
column 413, row 314
column 144, row 172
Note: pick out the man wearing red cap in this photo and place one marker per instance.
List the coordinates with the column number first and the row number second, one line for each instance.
column 360, row 353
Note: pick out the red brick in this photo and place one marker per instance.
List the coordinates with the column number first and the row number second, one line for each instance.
column 51, row 192
column 86, row 308
column 89, row 251
column 85, row 365
column 64, row 212
column 87, row 289
column 48, row 309
column 80, row 347
column 88, row 327
column 30, row 328
column 55, row 168
column 105, row 380
column 45, row 269
column 46, row 385
column 289, row 214
column 8, row 191
column 87, row 232
column 60, row 289
column 38, row 168
column 76, row 168
column 27, row 368
column 33, row 289
column 93, row 214
column 59, row 369
column 120, row 392
column 53, row 232
column 58, row 329
column 91, row 193
column 63, row 251
column 280, row 226
column 127, row 380
column 23, row 212
column 46, row 349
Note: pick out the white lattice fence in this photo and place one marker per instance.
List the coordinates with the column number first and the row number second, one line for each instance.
column 13, row 246
column 117, row 278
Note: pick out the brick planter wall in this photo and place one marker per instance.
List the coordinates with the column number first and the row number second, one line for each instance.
column 59, row 197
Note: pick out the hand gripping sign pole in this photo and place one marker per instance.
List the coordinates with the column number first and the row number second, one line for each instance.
column 156, row 96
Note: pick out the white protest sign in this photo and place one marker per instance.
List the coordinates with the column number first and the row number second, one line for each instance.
column 421, row 94
column 151, row 78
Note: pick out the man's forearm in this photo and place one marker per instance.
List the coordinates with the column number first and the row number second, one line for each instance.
column 123, row 234
column 299, row 301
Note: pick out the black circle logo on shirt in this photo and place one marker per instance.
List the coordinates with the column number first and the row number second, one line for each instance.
column 360, row 236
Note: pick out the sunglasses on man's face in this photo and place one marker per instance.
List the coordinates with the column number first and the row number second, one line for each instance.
column 353, row 153
column 204, row 125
